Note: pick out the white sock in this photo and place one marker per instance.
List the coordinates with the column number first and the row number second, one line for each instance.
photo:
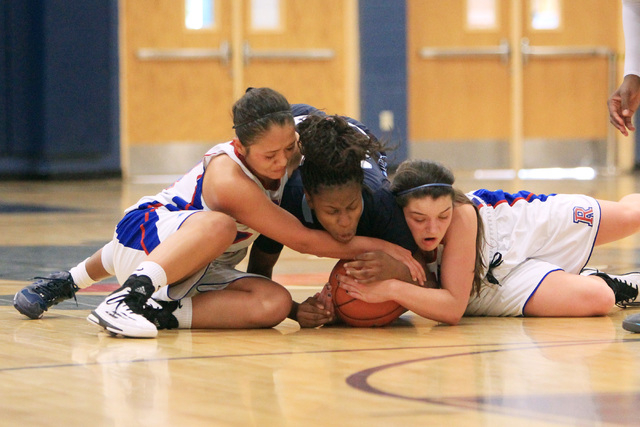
column 184, row 313
column 80, row 276
column 161, row 294
column 153, row 271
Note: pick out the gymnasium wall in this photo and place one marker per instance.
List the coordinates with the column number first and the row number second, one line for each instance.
column 59, row 88
column 383, row 73
column 59, row 106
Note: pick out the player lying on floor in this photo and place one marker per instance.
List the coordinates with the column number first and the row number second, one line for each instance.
column 190, row 237
column 341, row 187
column 500, row 254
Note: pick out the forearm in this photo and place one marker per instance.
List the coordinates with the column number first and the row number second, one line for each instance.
column 261, row 262
column 431, row 303
column 631, row 25
column 321, row 244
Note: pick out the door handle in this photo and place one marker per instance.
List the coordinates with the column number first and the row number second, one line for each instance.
column 291, row 54
column 562, row 51
column 502, row 51
column 223, row 53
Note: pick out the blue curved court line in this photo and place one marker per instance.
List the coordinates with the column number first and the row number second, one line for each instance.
column 547, row 406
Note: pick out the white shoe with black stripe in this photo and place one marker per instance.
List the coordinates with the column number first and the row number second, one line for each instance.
column 121, row 313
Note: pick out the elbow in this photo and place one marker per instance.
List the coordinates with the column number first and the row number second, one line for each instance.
column 452, row 319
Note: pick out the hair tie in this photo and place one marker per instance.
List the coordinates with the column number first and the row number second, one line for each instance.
column 434, row 184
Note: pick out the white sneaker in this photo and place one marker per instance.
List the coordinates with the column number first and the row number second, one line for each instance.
column 121, row 314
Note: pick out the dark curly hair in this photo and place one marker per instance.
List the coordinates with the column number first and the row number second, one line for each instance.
column 333, row 151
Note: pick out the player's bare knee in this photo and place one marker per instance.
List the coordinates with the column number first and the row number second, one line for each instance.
column 632, row 209
column 219, row 226
column 600, row 299
column 273, row 308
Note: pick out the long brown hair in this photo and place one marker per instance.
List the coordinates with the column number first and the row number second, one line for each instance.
column 412, row 174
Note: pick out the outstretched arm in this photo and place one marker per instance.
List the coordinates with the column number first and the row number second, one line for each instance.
column 623, row 103
column 233, row 193
column 446, row 304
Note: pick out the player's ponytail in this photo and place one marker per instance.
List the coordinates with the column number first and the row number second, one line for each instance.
column 257, row 111
column 333, row 152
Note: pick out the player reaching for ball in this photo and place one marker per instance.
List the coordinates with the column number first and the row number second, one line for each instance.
column 341, row 187
column 500, row 254
column 188, row 238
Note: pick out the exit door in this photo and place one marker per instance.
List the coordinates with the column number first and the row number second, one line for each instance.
column 512, row 83
column 184, row 63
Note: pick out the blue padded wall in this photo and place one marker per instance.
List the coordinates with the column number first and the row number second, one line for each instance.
column 383, row 75
column 59, row 88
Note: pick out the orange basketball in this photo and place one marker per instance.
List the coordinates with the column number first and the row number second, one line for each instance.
column 355, row 312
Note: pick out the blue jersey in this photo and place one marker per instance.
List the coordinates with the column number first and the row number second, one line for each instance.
column 381, row 218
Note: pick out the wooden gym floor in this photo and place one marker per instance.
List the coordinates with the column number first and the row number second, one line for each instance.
column 61, row 370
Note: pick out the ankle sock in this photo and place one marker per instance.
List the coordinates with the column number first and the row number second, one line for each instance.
column 154, row 272
column 184, row 313
column 80, row 276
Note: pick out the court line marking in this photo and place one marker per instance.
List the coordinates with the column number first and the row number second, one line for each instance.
column 359, row 381
column 358, row 350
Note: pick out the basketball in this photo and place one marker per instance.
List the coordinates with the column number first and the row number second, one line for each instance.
column 358, row 313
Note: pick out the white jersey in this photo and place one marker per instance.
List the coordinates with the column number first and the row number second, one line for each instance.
column 186, row 195
column 527, row 236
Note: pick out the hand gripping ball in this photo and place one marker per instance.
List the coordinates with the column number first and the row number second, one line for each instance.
column 359, row 313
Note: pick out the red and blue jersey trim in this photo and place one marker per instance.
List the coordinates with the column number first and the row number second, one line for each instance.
column 138, row 229
column 498, row 197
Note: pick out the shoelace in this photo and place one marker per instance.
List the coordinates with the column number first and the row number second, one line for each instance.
column 134, row 302
column 627, row 297
column 58, row 284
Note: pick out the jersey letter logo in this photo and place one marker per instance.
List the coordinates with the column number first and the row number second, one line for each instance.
column 583, row 215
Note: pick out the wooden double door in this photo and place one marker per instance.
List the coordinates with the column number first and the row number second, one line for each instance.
column 179, row 82
column 514, row 71
column 496, row 78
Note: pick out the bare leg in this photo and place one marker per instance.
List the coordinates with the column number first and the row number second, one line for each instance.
column 94, row 267
column 202, row 238
column 569, row 295
column 246, row 303
column 619, row 219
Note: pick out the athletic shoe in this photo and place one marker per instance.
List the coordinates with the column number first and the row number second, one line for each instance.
column 632, row 323
column 588, row 271
column 34, row 299
column 624, row 286
column 160, row 313
column 121, row 313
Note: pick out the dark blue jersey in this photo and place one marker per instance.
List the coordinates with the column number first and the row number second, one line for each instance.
column 381, row 216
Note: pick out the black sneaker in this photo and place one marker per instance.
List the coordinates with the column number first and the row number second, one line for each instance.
column 624, row 286
column 34, row 299
column 160, row 313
